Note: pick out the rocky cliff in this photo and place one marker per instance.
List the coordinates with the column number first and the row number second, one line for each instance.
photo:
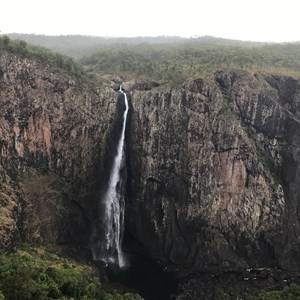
column 51, row 132
column 215, row 172
column 213, row 165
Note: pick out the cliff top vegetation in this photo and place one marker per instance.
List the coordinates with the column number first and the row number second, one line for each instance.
column 41, row 54
column 77, row 45
column 167, row 59
column 177, row 62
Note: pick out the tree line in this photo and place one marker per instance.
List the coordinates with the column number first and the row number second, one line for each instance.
column 168, row 59
column 79, row 45
column 42, row 54
column 178, row 62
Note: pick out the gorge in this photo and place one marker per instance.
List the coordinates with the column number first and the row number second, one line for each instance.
column 212, row 189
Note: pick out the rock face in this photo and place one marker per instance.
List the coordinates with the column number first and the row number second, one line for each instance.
column 215, row 172
column 52, row 127
column 213, row 166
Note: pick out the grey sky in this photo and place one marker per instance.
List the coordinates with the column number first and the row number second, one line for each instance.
column 258, row 20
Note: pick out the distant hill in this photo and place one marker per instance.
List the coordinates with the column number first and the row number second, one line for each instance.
column 42, row 54
column 175, row 63
column 79, row 45
column 167, row 58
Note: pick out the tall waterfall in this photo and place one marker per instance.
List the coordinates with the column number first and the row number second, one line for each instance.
column 115, row 204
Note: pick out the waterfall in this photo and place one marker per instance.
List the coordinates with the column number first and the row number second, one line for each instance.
column 115, row 204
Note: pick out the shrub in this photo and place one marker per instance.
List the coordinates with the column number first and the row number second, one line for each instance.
column 34, row 273
column 291, row 292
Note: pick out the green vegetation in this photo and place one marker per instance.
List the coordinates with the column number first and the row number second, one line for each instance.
column 41, row 54
column 177, row 62
column 168, row 59
column 291, row 292
column 34, row 273
column 79, row 45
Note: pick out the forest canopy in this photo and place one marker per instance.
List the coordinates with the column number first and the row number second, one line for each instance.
column 167, row 59
column 41, row 54
column 178, row 62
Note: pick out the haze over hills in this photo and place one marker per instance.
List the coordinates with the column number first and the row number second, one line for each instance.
column 78, row 45
column 169, row 59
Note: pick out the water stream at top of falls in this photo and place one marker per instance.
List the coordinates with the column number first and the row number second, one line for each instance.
column 115, row 204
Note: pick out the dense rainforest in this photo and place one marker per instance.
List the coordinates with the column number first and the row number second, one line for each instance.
column 213, row 163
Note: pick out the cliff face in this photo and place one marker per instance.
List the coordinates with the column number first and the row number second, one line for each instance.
column 215, row 172
column 213, row 166
column 52, row 127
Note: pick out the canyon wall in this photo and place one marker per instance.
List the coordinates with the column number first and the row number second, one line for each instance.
column 215, row 176
column 52, row 130
column 213, row 165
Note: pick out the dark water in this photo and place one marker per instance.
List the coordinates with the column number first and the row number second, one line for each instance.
column 144, row 275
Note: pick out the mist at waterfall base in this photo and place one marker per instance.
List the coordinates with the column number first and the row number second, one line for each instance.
column 126, row 264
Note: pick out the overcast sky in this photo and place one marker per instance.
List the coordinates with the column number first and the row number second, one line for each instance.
column 257, row 20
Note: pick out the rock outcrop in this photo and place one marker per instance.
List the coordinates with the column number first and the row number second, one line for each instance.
column 52, row 130
column 215, row 175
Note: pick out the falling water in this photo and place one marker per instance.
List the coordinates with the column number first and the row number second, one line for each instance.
column 115, row 204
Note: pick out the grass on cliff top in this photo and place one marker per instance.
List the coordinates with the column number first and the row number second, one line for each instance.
column 34, row 273
column 43, row 55
column 175, row 63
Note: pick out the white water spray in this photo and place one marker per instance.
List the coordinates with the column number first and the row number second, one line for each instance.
column 115, row 204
